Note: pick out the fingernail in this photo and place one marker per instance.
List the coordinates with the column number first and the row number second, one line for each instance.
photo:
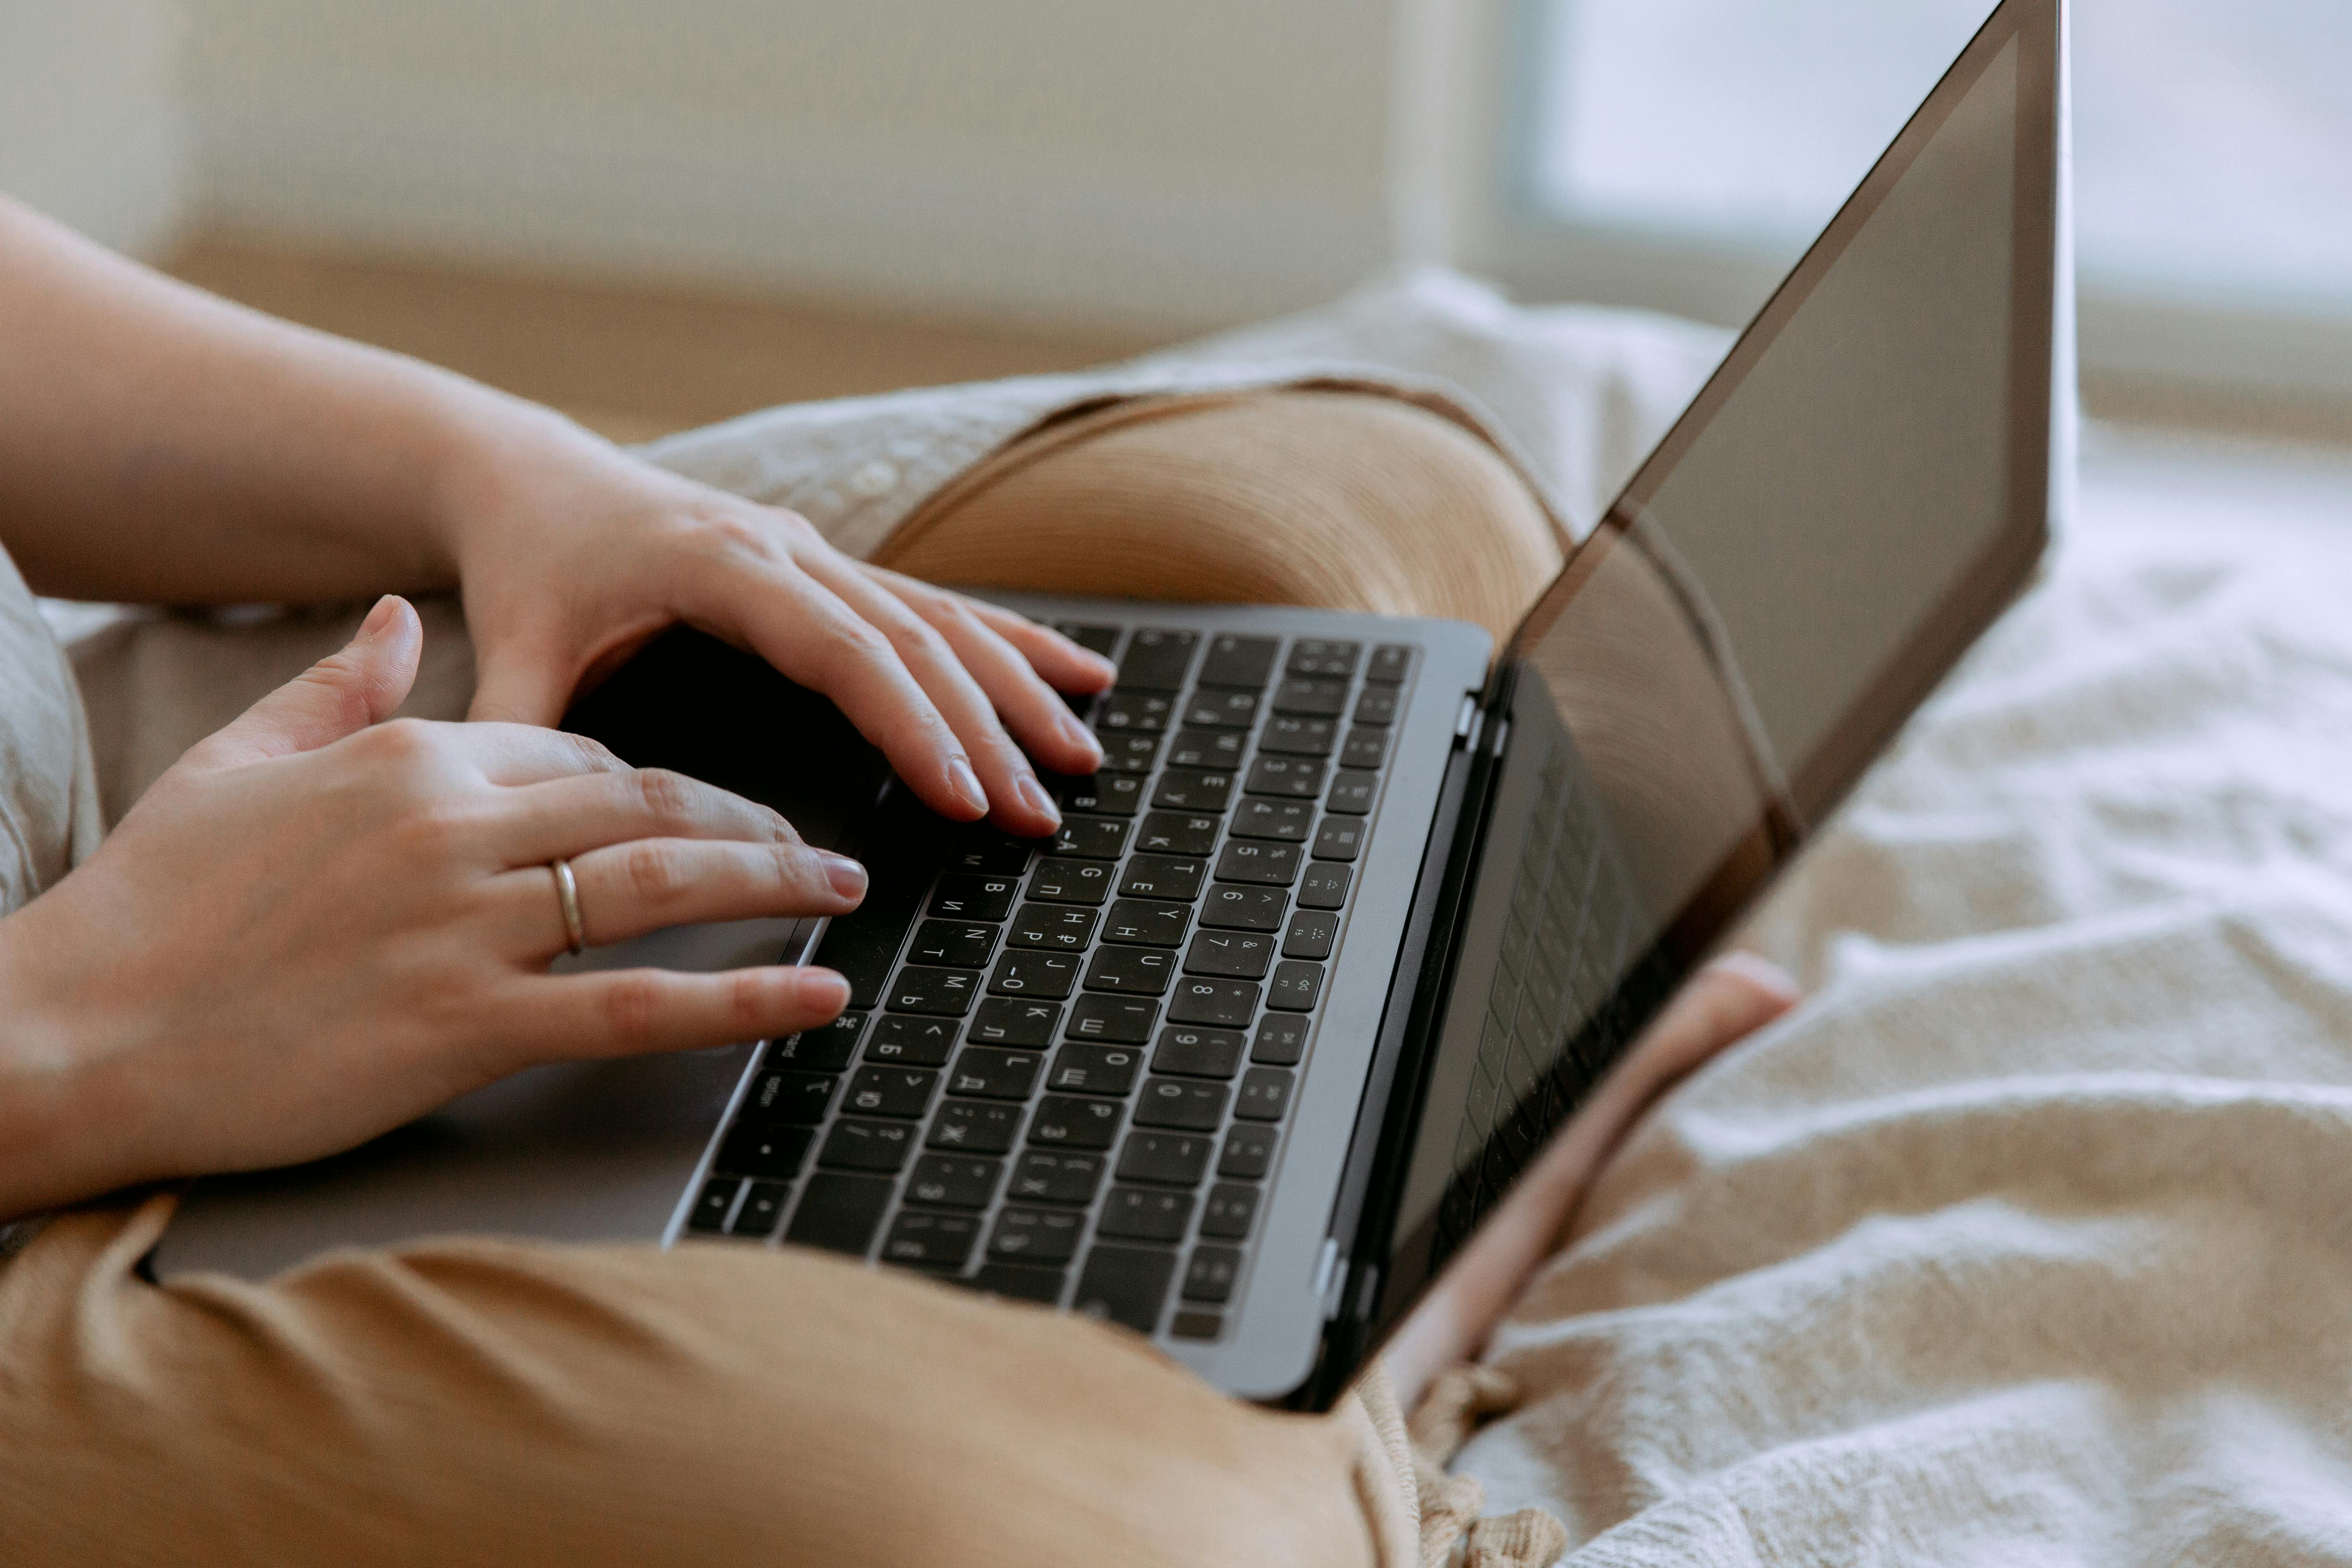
column 822, row 991
column 1075, row 730
column 847, row 877
column 1034, row 796
column 379, row 618
column 966, row 784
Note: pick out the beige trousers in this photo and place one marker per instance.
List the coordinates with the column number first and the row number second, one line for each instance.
column 488, row 1402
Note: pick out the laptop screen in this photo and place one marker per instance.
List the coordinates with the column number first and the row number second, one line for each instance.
column 1844, row 507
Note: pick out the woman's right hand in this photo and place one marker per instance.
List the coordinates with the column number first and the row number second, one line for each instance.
column 318, row 925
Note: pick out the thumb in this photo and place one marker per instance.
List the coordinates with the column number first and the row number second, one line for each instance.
column 343, row 693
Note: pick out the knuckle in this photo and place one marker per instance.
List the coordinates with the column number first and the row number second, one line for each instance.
column 746, row 1001
column 666, row 796
column 399, row 741
column 859, row 641
column 656, row 873
column 632, row 1007
column 592, row 756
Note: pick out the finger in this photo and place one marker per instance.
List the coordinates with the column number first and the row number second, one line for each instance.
column 521, row 754
column 573, row 816
column 627, row 1012
column 650, row 884
column 521, row 682
column 1061, row 663
column 1030, row 711
column 360, row 684
column 1018, row 802
column 1733, row 996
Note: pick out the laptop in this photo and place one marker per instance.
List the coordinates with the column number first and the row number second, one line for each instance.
column 1359, row 909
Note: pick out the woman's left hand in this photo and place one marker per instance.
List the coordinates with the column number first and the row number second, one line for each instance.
column 572, row 554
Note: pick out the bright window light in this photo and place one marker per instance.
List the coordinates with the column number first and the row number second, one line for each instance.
column 2213, row 138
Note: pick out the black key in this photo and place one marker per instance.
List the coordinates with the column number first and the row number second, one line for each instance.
column 1351, row 792
column 1105, row 794
column 1219, row 749
column 946, row 993
column 1172, row 1159
column 1318, row 656
column 1281, row 1041
column 1163, row 877
column 827, row 1050
column 1251, row 861
column 1298, row 737
column 1366, row 746
column 1036, row 1236
column 1249, row 1152
column 1288, row 821
column 1129, row 753
column 1234, row 908
column 1300, row 778
column 774, row 1153
column 1145, row 1214
column 1093, row 640
column 960, row 897
column 1296, row 987
column 1177, row 833
column 709, row 1212
column 1067, row 1122
column 1311, row 698
column 1126, row 1285
column 1148, row 924
column 1239, row 661
column 955, row 1181
column 958, row 944
column 1232, row 1209
column 1010, row 1021
column 1145, row 711
column 991, row 1073
column 1181, row 1104
column 1326, row 887
column 1235, row 954
column 1210, row 1276
column 1093, row 837
column 839, row 1213
column 984, row 852
column 1056, row 1177
column 1184, row 789
column 1052, row 926
column 763, row 1207
column 1094, row 1069
column 1023, row 971
column 1221, row 709
column 1196, row 1325
column 932, row 1240
column 795, row 1097
column 1198, row 1052
column 1111, row 1020
column 1070, row 881
column 975, row 1126
column 1138, row 971
column 1265, row 1094
column 1156, row 661
column 1014, row 1283
column 891, row 1092
column 1223, row 1004
column 1390, row 661
column 1311, row 934
column 1339, row 838
column 1378, row 705
column 867, row 1146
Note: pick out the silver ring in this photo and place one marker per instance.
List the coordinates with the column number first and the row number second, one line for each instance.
column 567, row 893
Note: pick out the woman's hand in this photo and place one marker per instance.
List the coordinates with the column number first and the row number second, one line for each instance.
column 571, row 554
column 318, row 926
column 1725, row 1003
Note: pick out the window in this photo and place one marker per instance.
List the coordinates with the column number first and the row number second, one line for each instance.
column 1681, row 152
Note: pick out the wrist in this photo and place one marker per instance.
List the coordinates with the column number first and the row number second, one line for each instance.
column 58, row 1139
column 498, row 457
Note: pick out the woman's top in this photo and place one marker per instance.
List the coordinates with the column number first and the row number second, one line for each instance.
column 49, row 789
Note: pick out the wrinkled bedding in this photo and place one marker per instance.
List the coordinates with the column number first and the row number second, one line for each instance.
column 2028, row 1237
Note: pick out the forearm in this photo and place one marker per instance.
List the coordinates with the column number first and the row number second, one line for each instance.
column 161, row 445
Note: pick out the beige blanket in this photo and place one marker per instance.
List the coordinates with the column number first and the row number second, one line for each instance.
column 2025, row 1239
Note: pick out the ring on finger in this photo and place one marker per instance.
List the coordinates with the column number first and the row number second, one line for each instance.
column 567, row 895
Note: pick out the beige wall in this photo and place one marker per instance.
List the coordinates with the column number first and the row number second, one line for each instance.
column 90, row 123
column 1132, row 163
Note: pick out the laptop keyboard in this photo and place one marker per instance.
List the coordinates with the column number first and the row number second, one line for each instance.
column 1067, row 1064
